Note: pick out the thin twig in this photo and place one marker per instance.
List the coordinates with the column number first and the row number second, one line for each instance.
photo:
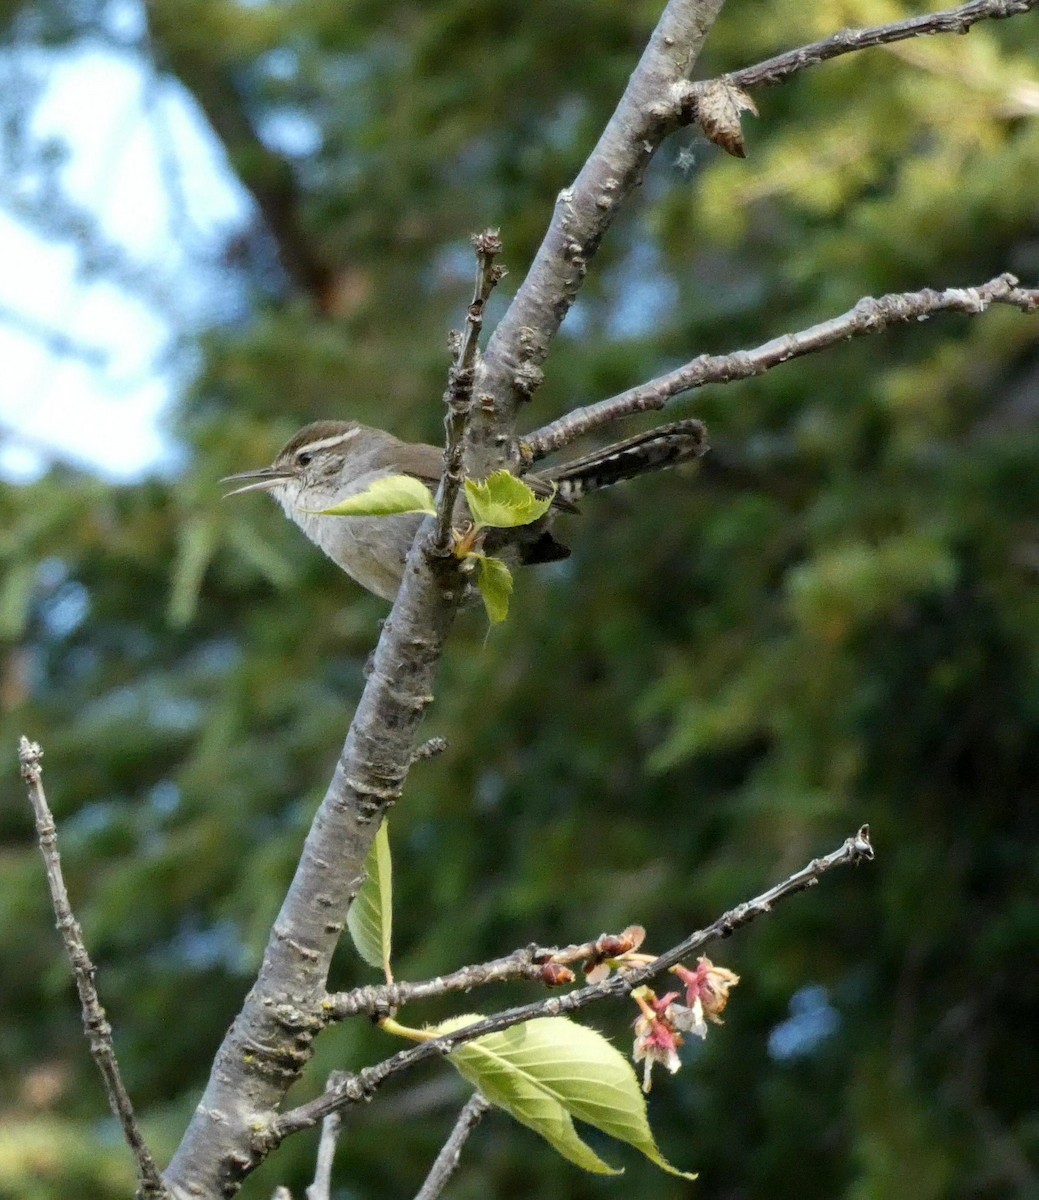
column 548, row 965
column 870, row 315
column 363, row 1085
column 447, row 1160
column 458, row 398
column 95, row 1022
column 431, row 748
column 698, row 101
column 321, row 1188
column 953, row 20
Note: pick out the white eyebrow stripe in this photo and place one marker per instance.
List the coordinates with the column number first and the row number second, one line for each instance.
column 329, row 442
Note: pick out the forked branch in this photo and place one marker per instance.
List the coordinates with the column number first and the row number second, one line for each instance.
column 584, row 211
column 361, row 1086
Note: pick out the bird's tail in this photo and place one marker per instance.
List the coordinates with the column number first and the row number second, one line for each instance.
column 656, row 450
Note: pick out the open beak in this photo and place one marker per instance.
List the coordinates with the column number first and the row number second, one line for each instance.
column 261, row 480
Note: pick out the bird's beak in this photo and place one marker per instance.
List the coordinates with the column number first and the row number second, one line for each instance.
column 261, row 480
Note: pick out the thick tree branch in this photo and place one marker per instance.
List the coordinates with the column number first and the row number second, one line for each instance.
column 270, row 1040
column 584, row 211
column 269, row 1043
column 870, row 315
column 447, row 1160
column 95, row 1022
column 363, row 1085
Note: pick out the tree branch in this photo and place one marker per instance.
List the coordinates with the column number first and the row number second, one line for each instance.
column 870, row 315
column 458, row 398
column 536, row 963
column 270, row 1040
column 363, row 1084
column 447, row 1160
column 321, row 1188
column 95, row 1022
column 584, row 211
column 269, row 1043
column 953, row 20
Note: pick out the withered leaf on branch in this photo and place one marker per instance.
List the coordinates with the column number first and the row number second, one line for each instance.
column 719, row 106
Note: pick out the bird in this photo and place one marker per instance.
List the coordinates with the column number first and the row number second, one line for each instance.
column 327, row 461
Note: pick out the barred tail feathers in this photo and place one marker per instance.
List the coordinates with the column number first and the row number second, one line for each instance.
column 656, row 450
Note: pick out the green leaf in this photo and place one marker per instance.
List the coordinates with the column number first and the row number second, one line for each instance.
column 547, row 1071
column 495, row 585
column 370, row 918
column 389, row 497
column 504, row 501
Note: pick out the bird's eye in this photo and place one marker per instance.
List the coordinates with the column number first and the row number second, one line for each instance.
column 303, row 458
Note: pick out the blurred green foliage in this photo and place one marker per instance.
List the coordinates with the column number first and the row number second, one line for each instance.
column 834, row 620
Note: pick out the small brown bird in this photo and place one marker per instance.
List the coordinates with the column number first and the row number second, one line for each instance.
column 330, row 460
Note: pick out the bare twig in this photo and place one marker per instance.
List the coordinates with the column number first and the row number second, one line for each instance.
column 715, row 104
column 431, row 748
column 447, row 1160
column 540, row 964
column 870, row 315
column 362, row 1085
column 95, row 1022
column 458, row 398
column 321, row 1188
column 953, row 20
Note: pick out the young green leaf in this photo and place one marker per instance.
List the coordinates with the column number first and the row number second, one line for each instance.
column 370, row 919
column 495, row 584
column 550, row 1070
column 389, row 497
column 504, row 501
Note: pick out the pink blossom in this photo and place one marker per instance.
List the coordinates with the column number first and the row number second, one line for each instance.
column 656, row 1036
column 706, row 990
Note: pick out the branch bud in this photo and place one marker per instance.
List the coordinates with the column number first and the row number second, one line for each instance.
column 719, row 107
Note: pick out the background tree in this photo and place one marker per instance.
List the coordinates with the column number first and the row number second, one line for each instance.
column 835, row 620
